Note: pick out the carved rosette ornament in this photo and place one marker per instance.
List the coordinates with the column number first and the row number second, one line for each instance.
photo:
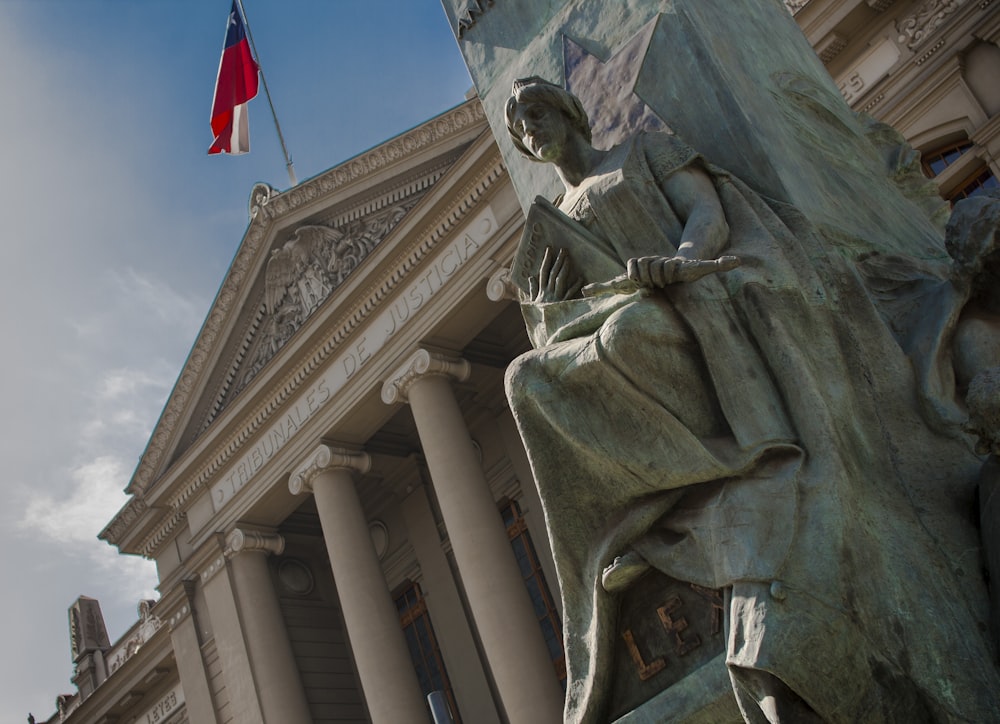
column 422, row 363
column 326, row 458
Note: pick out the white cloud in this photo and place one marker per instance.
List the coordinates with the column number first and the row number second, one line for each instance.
column 96, row 494
column 69, row 521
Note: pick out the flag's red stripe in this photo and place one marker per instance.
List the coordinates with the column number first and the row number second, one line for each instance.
column 237, row 83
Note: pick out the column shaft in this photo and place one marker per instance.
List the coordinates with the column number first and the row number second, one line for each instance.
column 504, row 616
column 191, row 667
column 276, row 675
column 384, row 665
column 237, row 673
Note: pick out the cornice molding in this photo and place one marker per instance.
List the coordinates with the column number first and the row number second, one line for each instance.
column 125, row 517
column 324, row 458
column 266, row 207
column 422, row 363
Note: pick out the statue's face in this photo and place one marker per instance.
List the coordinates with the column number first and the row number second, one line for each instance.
column 542, row 129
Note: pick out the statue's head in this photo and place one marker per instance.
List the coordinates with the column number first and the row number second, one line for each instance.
column 538, row 91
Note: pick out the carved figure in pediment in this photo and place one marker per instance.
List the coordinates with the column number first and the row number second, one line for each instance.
column 299, row 264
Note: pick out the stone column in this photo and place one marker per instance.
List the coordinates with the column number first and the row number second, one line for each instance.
column 262, row 680
column 500, row 604
column 384, row 665
column 276, row 675
column 190, row 664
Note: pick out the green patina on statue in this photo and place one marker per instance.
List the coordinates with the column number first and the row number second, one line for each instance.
column 720, row 394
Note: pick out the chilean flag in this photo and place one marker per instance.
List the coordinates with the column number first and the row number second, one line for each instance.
column 236, row 84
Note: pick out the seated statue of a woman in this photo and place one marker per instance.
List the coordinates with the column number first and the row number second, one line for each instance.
column 691, row 408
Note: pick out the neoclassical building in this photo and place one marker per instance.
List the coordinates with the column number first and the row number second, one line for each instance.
column 339, row 507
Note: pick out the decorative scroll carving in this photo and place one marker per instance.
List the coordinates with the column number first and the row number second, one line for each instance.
column 795, row 5
column 260, row 195
column 916, row 28
column 423, row 362
column 326, row 458
column 499, row 286
column 241, row 540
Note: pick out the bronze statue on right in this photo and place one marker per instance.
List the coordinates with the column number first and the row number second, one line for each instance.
column 711, row 400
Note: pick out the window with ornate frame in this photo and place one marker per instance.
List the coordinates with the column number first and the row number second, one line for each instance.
column 422, row 643
column 538, row 588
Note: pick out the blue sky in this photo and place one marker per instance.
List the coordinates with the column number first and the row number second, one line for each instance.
column 116, row 231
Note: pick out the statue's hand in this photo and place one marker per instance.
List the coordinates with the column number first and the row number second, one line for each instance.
column 556, row 280
column 659, row 271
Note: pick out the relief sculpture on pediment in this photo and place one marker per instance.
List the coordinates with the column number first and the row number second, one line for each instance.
column 303, row 272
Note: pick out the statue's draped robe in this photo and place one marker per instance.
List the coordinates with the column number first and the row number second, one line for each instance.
column 739, row 431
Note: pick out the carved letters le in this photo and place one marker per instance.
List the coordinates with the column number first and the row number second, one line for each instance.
column 675, row 624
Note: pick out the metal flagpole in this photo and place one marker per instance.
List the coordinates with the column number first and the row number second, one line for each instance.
column 281, row 138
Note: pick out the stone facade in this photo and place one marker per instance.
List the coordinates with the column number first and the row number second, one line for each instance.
column 336, row 477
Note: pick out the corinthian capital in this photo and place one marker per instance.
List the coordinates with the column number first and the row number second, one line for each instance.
column 421, row 364
column 326, row 458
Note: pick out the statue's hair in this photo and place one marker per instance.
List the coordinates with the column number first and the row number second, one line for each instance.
column 539, row 90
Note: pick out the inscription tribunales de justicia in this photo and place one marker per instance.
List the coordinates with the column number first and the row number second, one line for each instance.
column 354, row 355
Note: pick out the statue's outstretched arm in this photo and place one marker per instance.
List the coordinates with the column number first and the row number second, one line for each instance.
column 692, row 194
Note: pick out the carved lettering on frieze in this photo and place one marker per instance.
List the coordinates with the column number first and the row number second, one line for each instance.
column 852, row 86
column 469, row 13
column 919, row 26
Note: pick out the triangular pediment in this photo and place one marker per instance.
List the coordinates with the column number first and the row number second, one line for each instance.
column 301, row 248
column 305, row 265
